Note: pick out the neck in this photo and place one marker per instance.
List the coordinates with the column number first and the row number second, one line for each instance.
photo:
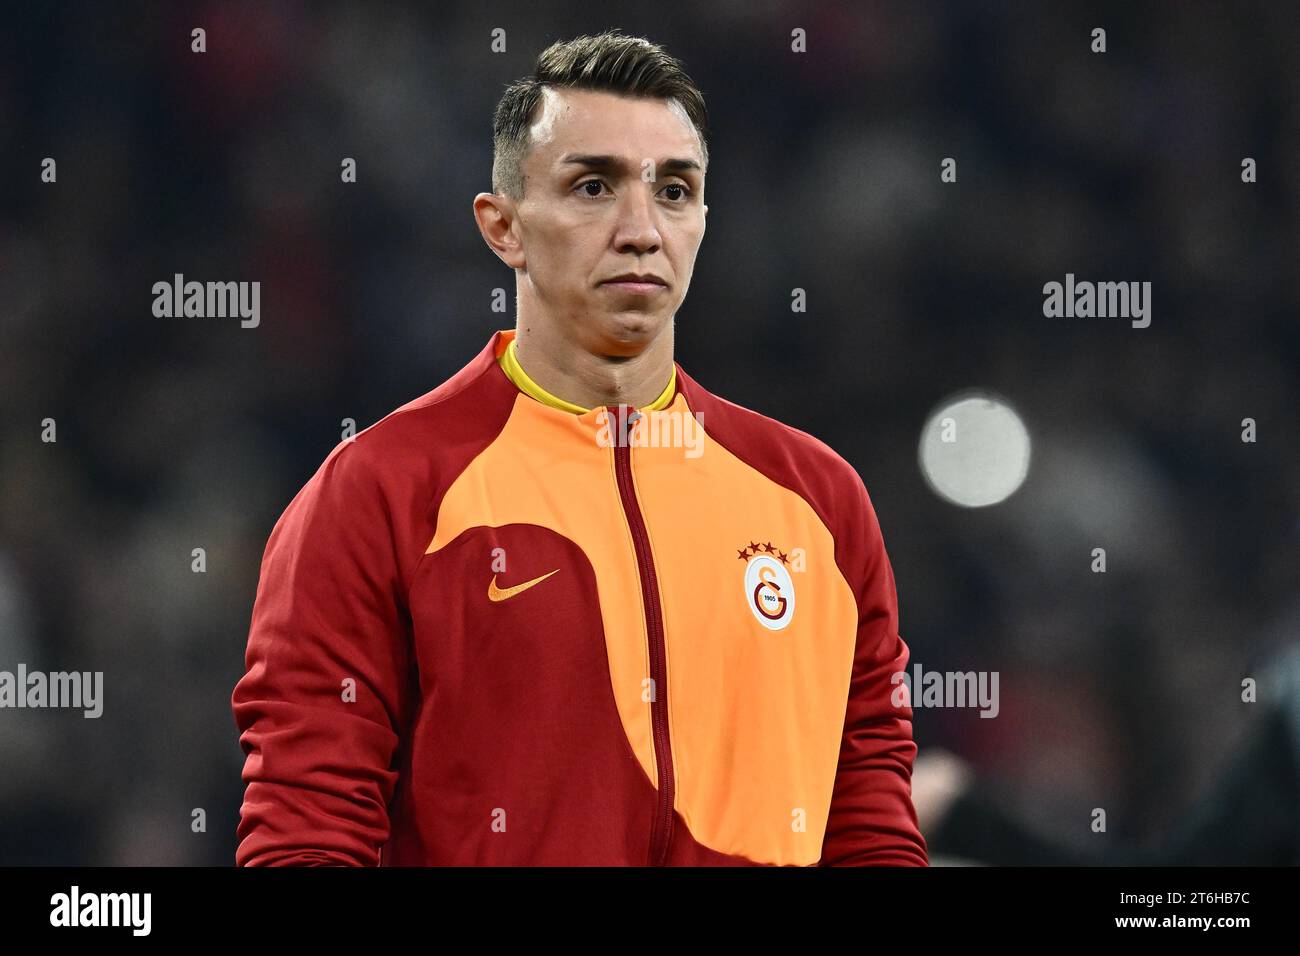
column 568, row 370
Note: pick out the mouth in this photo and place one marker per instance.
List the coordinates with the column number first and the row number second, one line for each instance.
column 637, row 284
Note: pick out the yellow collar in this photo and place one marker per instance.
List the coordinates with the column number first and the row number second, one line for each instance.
column 515, row 372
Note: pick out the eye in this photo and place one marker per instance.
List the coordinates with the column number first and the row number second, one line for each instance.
column 590, row 182
column 685, row 192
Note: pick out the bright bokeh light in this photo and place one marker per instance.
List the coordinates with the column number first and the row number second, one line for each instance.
column 974, row 449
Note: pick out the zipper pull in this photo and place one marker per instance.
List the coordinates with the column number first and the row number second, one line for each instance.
column 626, row 418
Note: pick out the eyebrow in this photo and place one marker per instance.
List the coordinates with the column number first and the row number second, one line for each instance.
column 618, row 164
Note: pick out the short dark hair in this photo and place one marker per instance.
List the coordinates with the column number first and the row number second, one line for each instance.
column 611, row 62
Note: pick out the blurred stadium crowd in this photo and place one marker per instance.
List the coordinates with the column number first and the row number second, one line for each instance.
column 1118, row 690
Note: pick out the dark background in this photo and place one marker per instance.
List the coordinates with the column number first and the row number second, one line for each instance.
column 1118, row 690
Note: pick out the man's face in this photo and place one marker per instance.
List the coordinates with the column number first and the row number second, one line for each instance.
column 613, row 185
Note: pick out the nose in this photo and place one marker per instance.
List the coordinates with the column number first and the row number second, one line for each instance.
column 638, row 229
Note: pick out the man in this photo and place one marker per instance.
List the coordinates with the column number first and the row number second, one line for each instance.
column 517, row 622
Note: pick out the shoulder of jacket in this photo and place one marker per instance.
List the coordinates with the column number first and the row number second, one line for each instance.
column 762, row 437
column 473, row 401
column 432, row 435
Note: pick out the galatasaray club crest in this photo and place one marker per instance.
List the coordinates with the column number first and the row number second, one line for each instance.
column 769, row 589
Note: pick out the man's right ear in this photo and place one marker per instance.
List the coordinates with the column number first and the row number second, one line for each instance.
column 495, row 215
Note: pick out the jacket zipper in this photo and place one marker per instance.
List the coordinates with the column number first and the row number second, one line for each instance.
column 662, row 833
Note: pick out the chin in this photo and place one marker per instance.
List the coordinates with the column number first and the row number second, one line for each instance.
column 627, row 333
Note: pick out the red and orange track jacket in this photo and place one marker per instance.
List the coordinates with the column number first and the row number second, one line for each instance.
column 495, row 630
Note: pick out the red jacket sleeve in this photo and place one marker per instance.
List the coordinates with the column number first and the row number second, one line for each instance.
column 327, row 665
column 872, row 820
